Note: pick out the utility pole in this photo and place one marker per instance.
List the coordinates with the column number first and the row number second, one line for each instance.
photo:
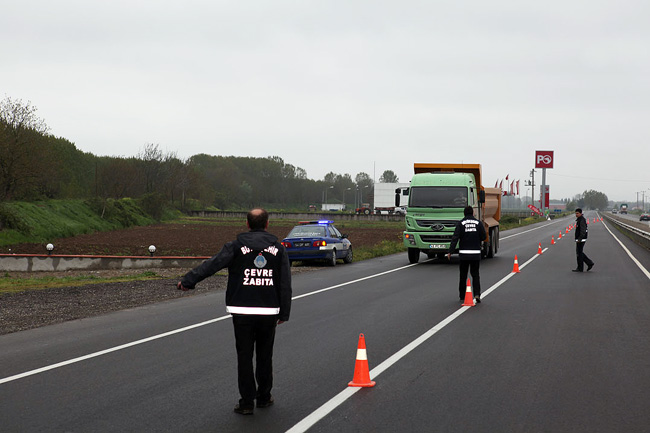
column 531, row 183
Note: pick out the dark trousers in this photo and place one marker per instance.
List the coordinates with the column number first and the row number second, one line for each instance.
column 581, row 257
column 473, row 267
column 254, row 334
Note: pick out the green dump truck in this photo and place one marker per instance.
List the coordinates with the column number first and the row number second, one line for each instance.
column 436, row 198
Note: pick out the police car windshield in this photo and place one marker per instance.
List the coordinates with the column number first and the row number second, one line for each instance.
column 438, row 196
column 307, row 232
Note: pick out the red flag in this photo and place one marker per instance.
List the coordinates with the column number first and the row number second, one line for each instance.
column 517, row 187
column 512, row 188
column 501, row 184
column 507, row 176
column 496, row 183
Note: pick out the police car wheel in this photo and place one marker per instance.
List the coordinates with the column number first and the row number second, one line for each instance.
column 349, row 257
column 332, row 259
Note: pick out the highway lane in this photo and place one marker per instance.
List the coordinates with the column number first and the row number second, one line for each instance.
column 530, row 358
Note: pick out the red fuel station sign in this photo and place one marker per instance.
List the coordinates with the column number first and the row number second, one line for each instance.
column 544, row 159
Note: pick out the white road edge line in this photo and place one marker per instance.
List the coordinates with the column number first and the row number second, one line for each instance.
column 176, row 331
column 643, row 269
column 311, row 419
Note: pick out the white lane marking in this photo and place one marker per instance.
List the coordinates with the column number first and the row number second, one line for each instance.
column 643, row 269
column 354, row 281
column 110, row 350
column 176, row 331
column 311, row 419
column 528, row 231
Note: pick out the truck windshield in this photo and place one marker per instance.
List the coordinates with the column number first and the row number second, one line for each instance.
column 438, row 196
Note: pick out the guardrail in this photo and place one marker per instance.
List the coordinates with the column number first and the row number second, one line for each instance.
column 639, row 236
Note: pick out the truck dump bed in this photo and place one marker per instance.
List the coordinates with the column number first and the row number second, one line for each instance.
column 474, row 169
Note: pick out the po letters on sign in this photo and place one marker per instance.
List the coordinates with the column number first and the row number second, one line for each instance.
column 544, row 159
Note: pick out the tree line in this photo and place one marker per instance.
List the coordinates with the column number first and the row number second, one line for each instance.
column 36, row 165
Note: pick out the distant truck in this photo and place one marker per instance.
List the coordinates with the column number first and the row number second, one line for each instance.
column 367, row 210
column 384, row 196
column 624, row 208
column 437, row 195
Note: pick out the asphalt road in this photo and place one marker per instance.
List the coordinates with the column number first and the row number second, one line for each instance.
column 548, row 350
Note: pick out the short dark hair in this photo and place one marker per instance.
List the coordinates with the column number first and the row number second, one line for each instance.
column 469, row 211
column 578, row 210
column 257, row 218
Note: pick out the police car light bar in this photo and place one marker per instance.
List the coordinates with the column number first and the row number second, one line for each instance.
column 316, row 222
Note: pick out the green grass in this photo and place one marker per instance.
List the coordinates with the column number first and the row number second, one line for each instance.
column 9, row 284
column 383, row 248
column 35, row 222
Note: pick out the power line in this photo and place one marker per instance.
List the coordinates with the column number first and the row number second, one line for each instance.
column 600, row 178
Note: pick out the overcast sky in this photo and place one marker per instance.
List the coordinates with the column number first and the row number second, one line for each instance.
column 347, row 86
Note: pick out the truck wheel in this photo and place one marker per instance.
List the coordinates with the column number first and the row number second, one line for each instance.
column 491, row 246
column 414, row 255
column 332, row 260
column 367, row 211
column 496, row 240
column 349, row 257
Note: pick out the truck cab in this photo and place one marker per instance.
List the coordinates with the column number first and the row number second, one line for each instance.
column 436, row 200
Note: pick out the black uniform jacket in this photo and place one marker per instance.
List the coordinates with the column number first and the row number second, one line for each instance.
column 259, row 275
column 582, row 230
column 470, row 232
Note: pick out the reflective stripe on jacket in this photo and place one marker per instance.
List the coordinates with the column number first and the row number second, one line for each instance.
column 470, row 233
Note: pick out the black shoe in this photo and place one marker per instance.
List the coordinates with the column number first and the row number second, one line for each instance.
column 477, row 299
column 590, row 266
column 266, row 403
column 576, row 270
column 242, row 410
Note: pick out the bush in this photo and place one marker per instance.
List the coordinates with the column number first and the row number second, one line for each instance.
column 154, row 204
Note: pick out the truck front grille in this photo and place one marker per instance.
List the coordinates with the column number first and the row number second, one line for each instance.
column 429, row 223
column 435, row 238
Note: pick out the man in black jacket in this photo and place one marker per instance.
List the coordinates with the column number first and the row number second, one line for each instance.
column 258, row 296
column 581, row 237
column 470, row 232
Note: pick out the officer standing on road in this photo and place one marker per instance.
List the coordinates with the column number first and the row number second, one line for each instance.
column 258, row 296
column 581, row 237
column 470, row 232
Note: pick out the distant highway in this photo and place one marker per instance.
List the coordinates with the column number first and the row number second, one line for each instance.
column 548, row 350
column 631, row 217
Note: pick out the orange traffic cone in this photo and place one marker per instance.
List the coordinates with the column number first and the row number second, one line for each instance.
column 567, row 230
column 361, row 371
column 515, row 268
column 469, row 299
column 539, row 250
column 560, row 236
column 552, row 240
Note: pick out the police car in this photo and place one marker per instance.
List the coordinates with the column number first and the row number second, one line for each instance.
column 314, row 240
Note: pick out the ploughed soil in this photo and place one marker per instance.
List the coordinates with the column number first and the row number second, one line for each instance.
column 33, row 308
column 180, row 240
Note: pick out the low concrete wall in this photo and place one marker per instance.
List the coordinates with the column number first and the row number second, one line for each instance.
column 35, row 263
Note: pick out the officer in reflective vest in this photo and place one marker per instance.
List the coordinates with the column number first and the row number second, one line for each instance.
column 470, row 233
column 258, row 296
